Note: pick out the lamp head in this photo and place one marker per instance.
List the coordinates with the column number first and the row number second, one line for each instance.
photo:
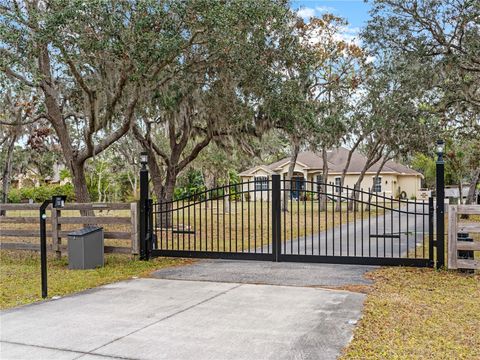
column 143, row 158
column 58, row 201
column 440, row 147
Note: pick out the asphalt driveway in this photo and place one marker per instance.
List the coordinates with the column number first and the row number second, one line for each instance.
column 269, row 273
column 181, row 319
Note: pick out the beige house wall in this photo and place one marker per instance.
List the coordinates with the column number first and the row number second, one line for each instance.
column 388, row 181
column 410, row 184
column 251, row 186
column 392, row 184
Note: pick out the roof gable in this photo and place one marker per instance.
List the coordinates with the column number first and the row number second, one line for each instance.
column 252, row 171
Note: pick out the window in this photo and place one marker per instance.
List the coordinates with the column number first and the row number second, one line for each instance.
column 319, row 183
column 338, row 182
column 261, row 183
column 377, row 184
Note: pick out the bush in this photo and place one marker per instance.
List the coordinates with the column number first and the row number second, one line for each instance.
column 41, row 193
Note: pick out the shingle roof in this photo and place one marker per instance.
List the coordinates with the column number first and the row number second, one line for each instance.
column 308, row 158
column 337, row 160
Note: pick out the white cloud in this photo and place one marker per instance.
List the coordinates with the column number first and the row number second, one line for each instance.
column 325, row 9
column 306, row 13
column 350, row 35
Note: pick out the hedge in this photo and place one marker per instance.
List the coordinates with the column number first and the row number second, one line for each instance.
column 41, row 193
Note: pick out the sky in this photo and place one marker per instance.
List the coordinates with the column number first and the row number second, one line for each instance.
column 355, row 11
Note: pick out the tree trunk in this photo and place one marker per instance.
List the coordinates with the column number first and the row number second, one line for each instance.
column 99, row 186
column 80, row 186
column 79, row 182
column 370, row 162
column 384, row 161
column 226, row 197
column 323, row 195
column 291, row 169
column 460, row 190
column 155, row 175
column 167, row 199
column 473, row 187
column 170, row 181
column 344, row 171
column 7, row 172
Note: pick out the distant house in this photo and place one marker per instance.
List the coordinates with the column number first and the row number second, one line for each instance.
column 394, row 179
column 31, row 178
column 452, row 193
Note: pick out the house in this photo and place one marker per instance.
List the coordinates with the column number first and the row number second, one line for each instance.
column 452, row 193
column 394, row 179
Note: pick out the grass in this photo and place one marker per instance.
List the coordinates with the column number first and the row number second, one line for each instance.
column 20, row 275
column 248, row 225
column 419, row 314
column 414, row 313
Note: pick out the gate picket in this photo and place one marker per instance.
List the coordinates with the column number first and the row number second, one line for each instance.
column 192, row 226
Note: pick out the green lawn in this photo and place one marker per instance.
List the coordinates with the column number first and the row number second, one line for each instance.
column 414, row 313
column 20, row 275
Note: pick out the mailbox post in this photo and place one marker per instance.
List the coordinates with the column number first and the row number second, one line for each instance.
column 57, row 201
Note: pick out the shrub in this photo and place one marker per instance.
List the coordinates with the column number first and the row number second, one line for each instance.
column 41, row 193
column 14, row 196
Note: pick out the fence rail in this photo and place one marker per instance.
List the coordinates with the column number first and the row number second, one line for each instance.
column 454, row 244
column 9, row 225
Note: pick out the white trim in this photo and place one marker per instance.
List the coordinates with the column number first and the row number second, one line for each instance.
column 279, row 167
column 252, row 171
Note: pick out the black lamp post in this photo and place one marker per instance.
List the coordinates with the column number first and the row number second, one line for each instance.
column 57, row 201
column 143, row 206
column 440, row 182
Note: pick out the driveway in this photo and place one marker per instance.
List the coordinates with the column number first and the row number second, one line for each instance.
column 269, row 273
column 405, row 231
column 179, row 319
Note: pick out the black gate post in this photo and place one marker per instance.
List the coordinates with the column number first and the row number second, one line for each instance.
column 143, row 221
column 276, row 217
column 440, row 182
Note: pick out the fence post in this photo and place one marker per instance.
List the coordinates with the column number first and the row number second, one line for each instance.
column 452, row 237
column 134, row 228
column 440, row 190
column 276, row 217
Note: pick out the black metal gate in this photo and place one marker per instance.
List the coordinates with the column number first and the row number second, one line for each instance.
column 260, row 220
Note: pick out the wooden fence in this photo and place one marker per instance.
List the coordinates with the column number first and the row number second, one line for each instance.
column 455, row 226
column 15, row 224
